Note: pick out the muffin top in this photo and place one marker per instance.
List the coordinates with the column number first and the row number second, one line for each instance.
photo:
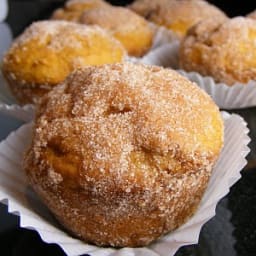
column 251, row 15
column 47, row 51
column 73, row 9
column 134, row 144
column 127, row 114
column 223, row 49
column 177, row 15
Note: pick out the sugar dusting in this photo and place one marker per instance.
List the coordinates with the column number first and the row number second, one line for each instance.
column 251, row 15
column 115, row 19
column 129, row 134
column 176, row 15
column 223, row 49
column 47, row 51
column 57, row 34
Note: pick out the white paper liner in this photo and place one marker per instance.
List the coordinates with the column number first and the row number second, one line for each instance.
column 165, row 44
column 22, row 201
column 226, row 97
column 160, row 56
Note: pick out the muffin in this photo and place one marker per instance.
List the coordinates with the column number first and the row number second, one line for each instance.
column 74, row 8
column 177, row 15
column 48, row 51
column 223, row 49
column 252, row 15
column 122, row 153
column 133, row 31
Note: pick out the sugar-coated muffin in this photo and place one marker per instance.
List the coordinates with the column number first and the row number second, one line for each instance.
column 49, row 50
column 122, row 153
column 251, row 15
column 132, row 30
column 74, row 8
column 177, row 15
column 223, row 49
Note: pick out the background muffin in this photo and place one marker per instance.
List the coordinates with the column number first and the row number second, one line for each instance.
column 49, row 50
column 223, row 49
column 177, row 15
column 74, row 8
column 134, row 32
column 252, row 15
column 122, row 153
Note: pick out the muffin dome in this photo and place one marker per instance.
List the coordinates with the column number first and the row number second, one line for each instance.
column 223, row 49
column 177, row 15
column 122, row 153
column 133, row 31
column 48, row 51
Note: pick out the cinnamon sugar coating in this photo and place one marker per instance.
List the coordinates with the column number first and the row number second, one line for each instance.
column 73, row 9
column 223, row 49
column 132, row 30
column 177, row 15
column 252, row 15
column 47, row 51
column 122, row 153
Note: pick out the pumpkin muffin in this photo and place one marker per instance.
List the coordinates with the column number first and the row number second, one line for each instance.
column 74, row 8
column 133, row 31
column 48, row 51
column 122, row 153
column 177, row 15
column 223, row 49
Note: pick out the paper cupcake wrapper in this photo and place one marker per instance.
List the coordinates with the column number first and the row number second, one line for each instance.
column 165, row 44
column 226, row 97
column 162, row 36
column 22, row 201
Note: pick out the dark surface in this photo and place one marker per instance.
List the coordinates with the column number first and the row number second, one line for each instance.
column 231, row 232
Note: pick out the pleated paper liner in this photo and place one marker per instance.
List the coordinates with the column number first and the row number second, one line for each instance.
column 9, row 106
column 226, row 97
column 33, row 214
column 165, row 44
